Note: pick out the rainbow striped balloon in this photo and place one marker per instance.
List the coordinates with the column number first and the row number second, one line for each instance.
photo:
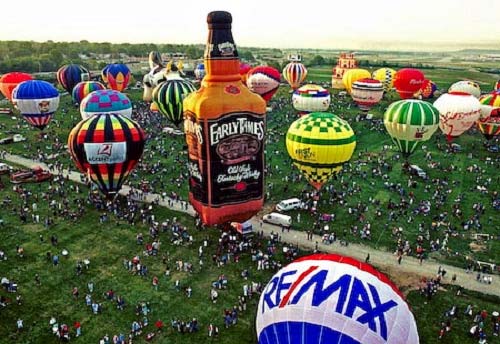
column 106, row 147
column 84, row 88
column 294, row 73
column 169, row 96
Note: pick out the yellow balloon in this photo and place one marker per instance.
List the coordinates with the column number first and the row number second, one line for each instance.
column 385, row 76
column 353, row 75
column 319, row 144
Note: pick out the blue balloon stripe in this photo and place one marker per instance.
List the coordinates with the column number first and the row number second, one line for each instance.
column 294, row 332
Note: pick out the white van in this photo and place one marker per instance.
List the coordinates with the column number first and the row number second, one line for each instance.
column 418, row 171
column 289, row 204
column 278, row 219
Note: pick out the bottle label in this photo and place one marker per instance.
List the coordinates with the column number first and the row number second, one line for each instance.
column 226, row 158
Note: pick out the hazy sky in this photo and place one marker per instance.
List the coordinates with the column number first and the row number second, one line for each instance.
column 354, row 24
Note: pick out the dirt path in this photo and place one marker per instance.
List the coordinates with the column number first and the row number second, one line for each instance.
column 406, row 274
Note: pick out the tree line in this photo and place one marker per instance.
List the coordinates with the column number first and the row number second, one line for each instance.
column 29, row 56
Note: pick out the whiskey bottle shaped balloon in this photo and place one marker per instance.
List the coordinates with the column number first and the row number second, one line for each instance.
column 225, row 130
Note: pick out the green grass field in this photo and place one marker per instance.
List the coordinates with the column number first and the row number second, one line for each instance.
column 109, row 243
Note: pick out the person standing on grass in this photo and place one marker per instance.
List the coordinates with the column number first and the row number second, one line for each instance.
column 78, row 328
column 155, row 282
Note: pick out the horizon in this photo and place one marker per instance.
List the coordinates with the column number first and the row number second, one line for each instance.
column 333, row 26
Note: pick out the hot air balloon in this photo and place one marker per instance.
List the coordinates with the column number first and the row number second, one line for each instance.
column 385, row 76
column 37, row 101
column 264, row 80
column 244, row 69
column 489, row 127
column 407, row 81
column 409, row 122
column 199, row 71
column 106, row 147
column 118, row 76
column 427, row 90
column 105, row 101
column 156, row 75
column 328, row 298
column 294, row 73
column 153, row 107
column 366, row 93
column 496, row 86
column 104, row 74
column 10, row 80
column 311, row 98
column 458, row 111
column 353, row 75
column 169, row 96
column 492, row 99
column 319, row 144
column 70, row 75
column 466, row 86
column 82, row 89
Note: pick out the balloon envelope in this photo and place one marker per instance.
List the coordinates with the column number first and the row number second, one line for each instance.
column 457, row 113
column 466, row 86
column 407, row 81
column 367, row 93
column 427, row 90
column 199, row 71
column 84, row 88
column 105, row 101
column 294, row 73
column 169, row 96
column 353, row 75
column 409, row 122
column 319, row 144
column 106, row 147
column 118, row 76
column 70, row 75
column 244, row 69
column 385, row 76
column 333, row 299
column 9, row 81
column 264, row 81
column 311, row 98
column 37, row 100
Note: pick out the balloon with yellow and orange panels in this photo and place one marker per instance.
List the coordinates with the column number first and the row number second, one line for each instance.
column 294, row 73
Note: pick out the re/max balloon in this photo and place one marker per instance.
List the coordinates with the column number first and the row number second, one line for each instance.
column 9, row 81
column 70, row 75
column 333, row 299
column 106, row 101
column 199, row 71
column 319, row 144
column 37, row 101
column 263, row 80
column 409, row 122
column 106, row 147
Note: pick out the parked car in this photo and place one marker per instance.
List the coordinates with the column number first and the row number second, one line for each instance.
column 417, row 171
column 35, row 175
column 172, row 131
column 278, row 219
column 12, row 139
column 289, row 204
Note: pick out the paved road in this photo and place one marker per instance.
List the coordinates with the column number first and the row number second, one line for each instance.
column 405, row 274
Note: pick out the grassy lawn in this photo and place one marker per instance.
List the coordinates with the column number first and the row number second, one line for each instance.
column 108, row 244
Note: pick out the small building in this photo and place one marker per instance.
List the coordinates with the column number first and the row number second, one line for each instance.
column 345, row 62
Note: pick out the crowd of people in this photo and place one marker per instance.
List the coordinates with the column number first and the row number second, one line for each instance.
column 68, row 202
